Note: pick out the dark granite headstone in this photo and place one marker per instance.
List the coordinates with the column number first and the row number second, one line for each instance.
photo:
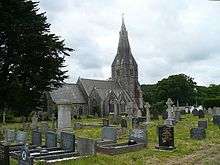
column 51, row 139
column 36, row 138
column 24, row 157
column 197, row 133
column 201, row 114
column 124, row 123
column 4, row 154
column 138, row 135
column 203, row 124
column 195, row 112
column 216, row 120
column 166, row 137
column 68, row 141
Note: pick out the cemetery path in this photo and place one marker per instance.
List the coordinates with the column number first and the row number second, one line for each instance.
column 207, row 155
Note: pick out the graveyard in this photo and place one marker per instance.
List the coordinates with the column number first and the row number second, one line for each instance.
column 186, row 147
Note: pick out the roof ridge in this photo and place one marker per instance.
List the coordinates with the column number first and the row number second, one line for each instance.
column 97, row 80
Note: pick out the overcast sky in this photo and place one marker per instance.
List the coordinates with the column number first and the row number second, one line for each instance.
column 166, row 36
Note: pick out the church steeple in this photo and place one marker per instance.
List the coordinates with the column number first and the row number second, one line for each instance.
column 124, row 67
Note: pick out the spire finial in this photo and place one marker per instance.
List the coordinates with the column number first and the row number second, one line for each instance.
column 122, row 15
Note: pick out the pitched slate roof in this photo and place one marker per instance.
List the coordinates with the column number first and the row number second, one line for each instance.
column 100, row 85
column 69, row 92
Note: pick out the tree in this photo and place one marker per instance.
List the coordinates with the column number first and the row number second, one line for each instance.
column 177, row 87
column 31, row 57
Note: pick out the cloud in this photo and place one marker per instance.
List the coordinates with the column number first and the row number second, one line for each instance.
column 166, row 37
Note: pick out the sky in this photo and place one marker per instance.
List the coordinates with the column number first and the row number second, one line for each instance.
column 166, row 36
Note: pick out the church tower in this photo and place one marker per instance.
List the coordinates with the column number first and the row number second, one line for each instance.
column 125, row 68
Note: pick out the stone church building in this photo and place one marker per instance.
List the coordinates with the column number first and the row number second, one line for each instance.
column 120, row 94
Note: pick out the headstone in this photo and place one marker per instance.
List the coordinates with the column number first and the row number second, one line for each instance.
column 86, row 146
column 4, row 154
column 44, row 127
column 216, row 120
column 105, row 122
column 201, row 114
column 170, row 119
column 21, row 137
column 138, row 135
column 10, row 136
column 68, row 141
column 3, row 118
column 51, row 139
column 195, row 112
column 109, row 133
column 36, row 138
column 135, row 122
column 177, row 115
column 34, row 121
column 139, row 113
column 203, row 124
column 64, row 115
column 124, row 123
column 166, row 137
column 147, row 108
column 53, row 117
column 197, row 133
column 25, row 157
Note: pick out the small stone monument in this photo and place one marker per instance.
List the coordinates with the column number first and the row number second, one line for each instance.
column 170, row 120
column 139, row 113
column 3, row 118
column 86, row 146
column 53, row 117
column 138, row 135
column 21, row 137
column 34, row 121
column 147, row 108
column 64, row 115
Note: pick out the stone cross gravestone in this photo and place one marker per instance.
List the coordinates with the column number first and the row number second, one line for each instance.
column 10, row 136
column 4, row 154
column 51, row 139
column 25, row 157
column 203, row 124
column 170, row 119
column 197, row 133
column 138, row 135
column 216, row 120
column 36, row 138
column 86, row 146
column 109, row 133
column 147, row 108
column 68, row 141
column 166, row 137
column 21, row 137
column 34, row 121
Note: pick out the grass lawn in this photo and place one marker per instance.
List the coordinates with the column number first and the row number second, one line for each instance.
column 187, row 151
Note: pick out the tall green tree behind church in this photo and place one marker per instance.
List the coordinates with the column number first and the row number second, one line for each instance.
column 31, row 57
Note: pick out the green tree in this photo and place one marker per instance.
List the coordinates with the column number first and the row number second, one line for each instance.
column 177, row 87
column 31, row 57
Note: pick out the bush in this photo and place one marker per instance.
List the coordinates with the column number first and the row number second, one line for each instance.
column 211, row 102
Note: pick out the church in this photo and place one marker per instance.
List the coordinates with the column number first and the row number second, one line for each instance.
column 121, row 94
